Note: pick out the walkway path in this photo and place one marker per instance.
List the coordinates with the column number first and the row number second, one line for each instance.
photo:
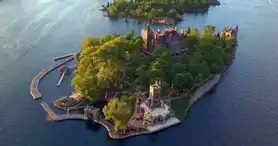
column 34, row 91
column 64, row 56
column 61, row 117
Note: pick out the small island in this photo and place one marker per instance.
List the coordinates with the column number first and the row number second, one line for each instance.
column 144, row 83
column 159, row 11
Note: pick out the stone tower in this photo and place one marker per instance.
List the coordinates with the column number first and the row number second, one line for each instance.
column 147, row 37
column 154, row 94
column 155, row 90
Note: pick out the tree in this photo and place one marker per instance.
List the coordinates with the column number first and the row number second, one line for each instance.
column 161, row 12
column 178, row 68
column 193, row 38
column 102, row 63
column 208, row 32
column 130, row 34
column 214, row 68
column 89, row 42
column 86, row 85
column 143, row 75
column 105, row 77
column 110, row 108
column 182, row 81
column 119, row 111
column 107, row 38
column 112, row 10
column 179, row 81
column 200, row 77
column 152, row 13
column 173, row 13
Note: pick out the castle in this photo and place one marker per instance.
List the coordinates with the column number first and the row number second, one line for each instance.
column 229, row 32
column 173, row 39
column 154, row 110
column 169, row 38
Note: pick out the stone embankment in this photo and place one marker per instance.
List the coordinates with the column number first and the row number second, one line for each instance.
column 205, row 88
column 202, row 90
column 34, row 91
column 61, row 117
column 114, row 135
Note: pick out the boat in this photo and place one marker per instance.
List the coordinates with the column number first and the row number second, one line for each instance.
column 163, row 22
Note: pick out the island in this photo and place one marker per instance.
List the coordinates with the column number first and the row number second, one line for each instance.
column 135, row 85
column 159, row 11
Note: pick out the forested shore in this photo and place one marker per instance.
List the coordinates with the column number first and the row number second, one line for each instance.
column 115, row 62
column 157, row 9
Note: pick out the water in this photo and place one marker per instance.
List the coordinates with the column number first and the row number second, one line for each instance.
column 242, row 111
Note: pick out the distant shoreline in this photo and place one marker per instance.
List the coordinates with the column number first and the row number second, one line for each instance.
column 169, row 12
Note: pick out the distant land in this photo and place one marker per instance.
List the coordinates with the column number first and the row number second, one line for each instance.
column 156, row 10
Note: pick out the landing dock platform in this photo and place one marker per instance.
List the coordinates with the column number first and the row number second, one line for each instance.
column 61, row 117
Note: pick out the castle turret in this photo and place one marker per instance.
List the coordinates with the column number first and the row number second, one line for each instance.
column 154, row 91
column 229, row 32
column 235, row 30
column 147, row 37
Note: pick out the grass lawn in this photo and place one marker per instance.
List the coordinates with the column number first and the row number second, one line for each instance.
column 179, row 106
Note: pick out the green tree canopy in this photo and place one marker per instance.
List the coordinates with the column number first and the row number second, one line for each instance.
column 120, row 111
column 115, row 61
column 102, row 62
column 157, row 9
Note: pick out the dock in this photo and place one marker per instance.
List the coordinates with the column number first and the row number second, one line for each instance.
column 34, row 91
column 61, row 79
column 63, row 56
column 61, row 117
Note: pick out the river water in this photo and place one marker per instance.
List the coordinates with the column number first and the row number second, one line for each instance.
column 242, row 111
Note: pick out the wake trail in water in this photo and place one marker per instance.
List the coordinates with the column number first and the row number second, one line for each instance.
column 60, row 17
column 47, row 27
column 10, row 24
column 37, row 19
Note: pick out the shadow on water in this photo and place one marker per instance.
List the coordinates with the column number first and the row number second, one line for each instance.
column 91, row 125
column 203, row 13
column 153, row 137
column 212, row 91
column 116, row 142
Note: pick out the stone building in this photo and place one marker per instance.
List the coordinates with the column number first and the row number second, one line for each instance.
column 229, row 32
column 155, row 111
column 92, row 113
column 169, row 38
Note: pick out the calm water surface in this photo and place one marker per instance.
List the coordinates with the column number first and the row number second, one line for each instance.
column 242, row 111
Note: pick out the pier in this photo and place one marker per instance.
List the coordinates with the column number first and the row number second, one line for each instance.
column 64, row 56
column 61, row 79
column 34, row 91
column 62, row 117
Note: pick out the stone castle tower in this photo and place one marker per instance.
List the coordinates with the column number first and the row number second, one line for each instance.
column 155, row 90
column 147, row 37
column 154, row 95
column 229, row 32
